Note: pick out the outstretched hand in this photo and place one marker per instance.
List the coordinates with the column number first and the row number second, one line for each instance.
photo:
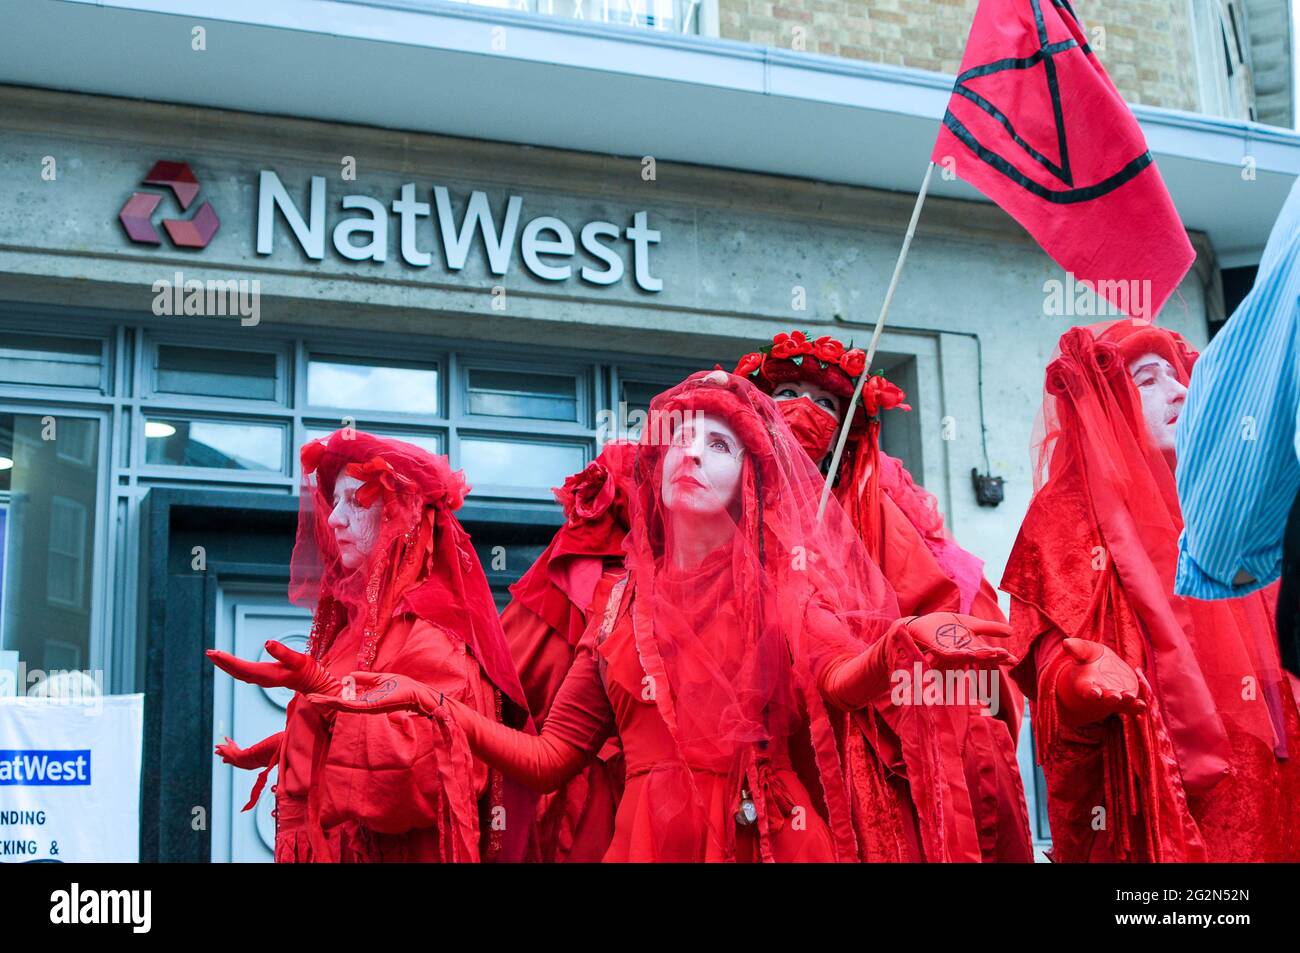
column 1095, row 683
column 291, row 669
column 256, row 756
column 379, row 692
column 954, row 640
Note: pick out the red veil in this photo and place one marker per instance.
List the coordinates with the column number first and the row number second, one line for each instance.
column 1095, row 559
column 422, row 564
column 731, row 647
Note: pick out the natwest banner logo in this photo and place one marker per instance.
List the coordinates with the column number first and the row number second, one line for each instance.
column 137, row 214
column 596, row 252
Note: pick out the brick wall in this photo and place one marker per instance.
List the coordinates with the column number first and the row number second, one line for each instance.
column 1146, row 46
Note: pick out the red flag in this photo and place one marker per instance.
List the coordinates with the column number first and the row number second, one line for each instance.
column 1035, row 124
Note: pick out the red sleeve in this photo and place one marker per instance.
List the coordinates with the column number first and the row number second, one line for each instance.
column 918, row 580
column 848, row 676
column 579, row 721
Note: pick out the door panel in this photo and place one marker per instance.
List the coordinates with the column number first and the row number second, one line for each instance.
column 247, row 617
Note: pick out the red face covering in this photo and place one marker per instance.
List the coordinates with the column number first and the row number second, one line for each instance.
column 812, row 426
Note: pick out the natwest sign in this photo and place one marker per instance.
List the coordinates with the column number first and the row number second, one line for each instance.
column 599, row 254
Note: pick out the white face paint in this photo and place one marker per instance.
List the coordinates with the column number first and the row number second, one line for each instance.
column 820, row 396
column 1162, row 397
column 356, row 527
column 701, row 470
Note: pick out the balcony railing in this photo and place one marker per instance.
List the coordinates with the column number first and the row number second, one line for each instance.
column 664, row 16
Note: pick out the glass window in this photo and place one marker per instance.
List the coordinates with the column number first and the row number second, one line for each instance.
column 676, row 16
column 77, row 439
column 634, row 409
column 432, row 442
column 171, row 441
column 355, row 385
column 210, row 372
column 47, row 536
column 506, row 552
column 636, row 388
column 512, row 393
column 516, row 463
column 66, row 576
column 52, row 361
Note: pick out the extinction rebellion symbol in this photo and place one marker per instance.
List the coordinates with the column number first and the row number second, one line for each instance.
column 194, row 232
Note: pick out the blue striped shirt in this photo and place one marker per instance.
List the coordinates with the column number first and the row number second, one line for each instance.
column 1238, row 438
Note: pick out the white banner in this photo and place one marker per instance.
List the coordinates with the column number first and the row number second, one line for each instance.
column 70, row 779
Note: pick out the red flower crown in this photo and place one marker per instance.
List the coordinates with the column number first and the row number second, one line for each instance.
column 825, row 362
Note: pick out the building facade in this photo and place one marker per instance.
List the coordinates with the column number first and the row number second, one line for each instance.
column 192, row 284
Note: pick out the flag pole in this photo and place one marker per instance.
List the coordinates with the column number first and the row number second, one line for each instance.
column 875, row 340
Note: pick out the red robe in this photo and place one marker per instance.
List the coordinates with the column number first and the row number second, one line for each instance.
column 575, row 824
column 386, row 788
column 987, row 745
column 836, row 789
column 1127, row 764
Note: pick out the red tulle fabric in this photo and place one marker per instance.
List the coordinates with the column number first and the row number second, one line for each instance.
column 1205, row 772
column 422, row 570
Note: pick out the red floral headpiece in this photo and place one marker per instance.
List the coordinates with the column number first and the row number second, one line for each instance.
column 372, row 462
column 378, row 477
column 588, row 494
column 825, row 362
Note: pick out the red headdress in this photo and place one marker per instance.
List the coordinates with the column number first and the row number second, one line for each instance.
column 422, row 562
column 727, row 641
column 825, row 362
column 865, row 471
column 1105, row 497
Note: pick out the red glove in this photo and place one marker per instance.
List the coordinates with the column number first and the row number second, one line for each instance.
column 953, row 640
column 1094, row 683
column 948, row 639
column 379, row 692
column 258, row 756
column 292, row 669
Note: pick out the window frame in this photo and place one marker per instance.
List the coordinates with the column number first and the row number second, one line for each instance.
column 583, row 375
column 100, row 635
column 63, row 392
column 148, row 373
column 436, row 363
column 141, row 464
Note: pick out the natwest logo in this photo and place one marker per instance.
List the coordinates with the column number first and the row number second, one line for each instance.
column 136, row 215
column 596, row 252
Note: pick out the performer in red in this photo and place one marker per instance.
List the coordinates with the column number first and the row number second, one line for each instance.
column 1164, row 725
column 394, row 584
column 900, row 523
column 744, row 661
column 549, row 610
